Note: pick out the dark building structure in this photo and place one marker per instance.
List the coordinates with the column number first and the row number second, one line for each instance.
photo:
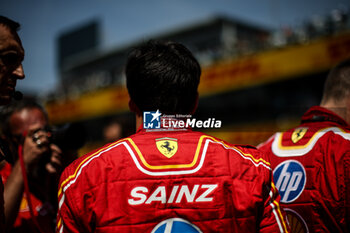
column 252, row 86
column 83, row 68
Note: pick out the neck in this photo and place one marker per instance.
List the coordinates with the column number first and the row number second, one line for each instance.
column 342, row 109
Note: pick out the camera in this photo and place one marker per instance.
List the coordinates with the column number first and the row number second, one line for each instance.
column 69, row 136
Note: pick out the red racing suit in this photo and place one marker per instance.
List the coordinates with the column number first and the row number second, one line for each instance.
column 169, row 181
column 312, row 172
column 2, row 211
column 24, row 221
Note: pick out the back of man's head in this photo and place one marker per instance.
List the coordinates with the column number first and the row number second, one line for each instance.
column 12, row 25
column 164, row 76
column 337, row 85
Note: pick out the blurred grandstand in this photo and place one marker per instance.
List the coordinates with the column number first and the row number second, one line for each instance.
column 256, row 80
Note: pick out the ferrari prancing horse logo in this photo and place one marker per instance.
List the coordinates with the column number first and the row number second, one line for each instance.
column 298, row 134
column 167, row 146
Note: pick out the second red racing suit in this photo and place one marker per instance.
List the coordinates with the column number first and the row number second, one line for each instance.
column 312, row 172
column 169, row 181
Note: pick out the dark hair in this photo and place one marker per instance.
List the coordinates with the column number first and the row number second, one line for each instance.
column 12, row 25
column 163, row 75
column 14, row 107
column 337, row 85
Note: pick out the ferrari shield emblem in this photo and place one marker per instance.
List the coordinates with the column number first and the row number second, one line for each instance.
column 298, row 134
column 167, row 146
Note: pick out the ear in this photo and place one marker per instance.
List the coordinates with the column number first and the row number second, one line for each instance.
column 195, row 105
column 133, row 108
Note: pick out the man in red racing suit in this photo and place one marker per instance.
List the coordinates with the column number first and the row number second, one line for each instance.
column 132, row 186
column 11, row 70
column 168, row 179
column 312, row 162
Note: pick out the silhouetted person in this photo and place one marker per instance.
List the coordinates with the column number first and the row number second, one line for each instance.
column 11, row 57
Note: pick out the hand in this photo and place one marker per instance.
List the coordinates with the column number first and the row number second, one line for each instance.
column 54, row 166
column 36, row 144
